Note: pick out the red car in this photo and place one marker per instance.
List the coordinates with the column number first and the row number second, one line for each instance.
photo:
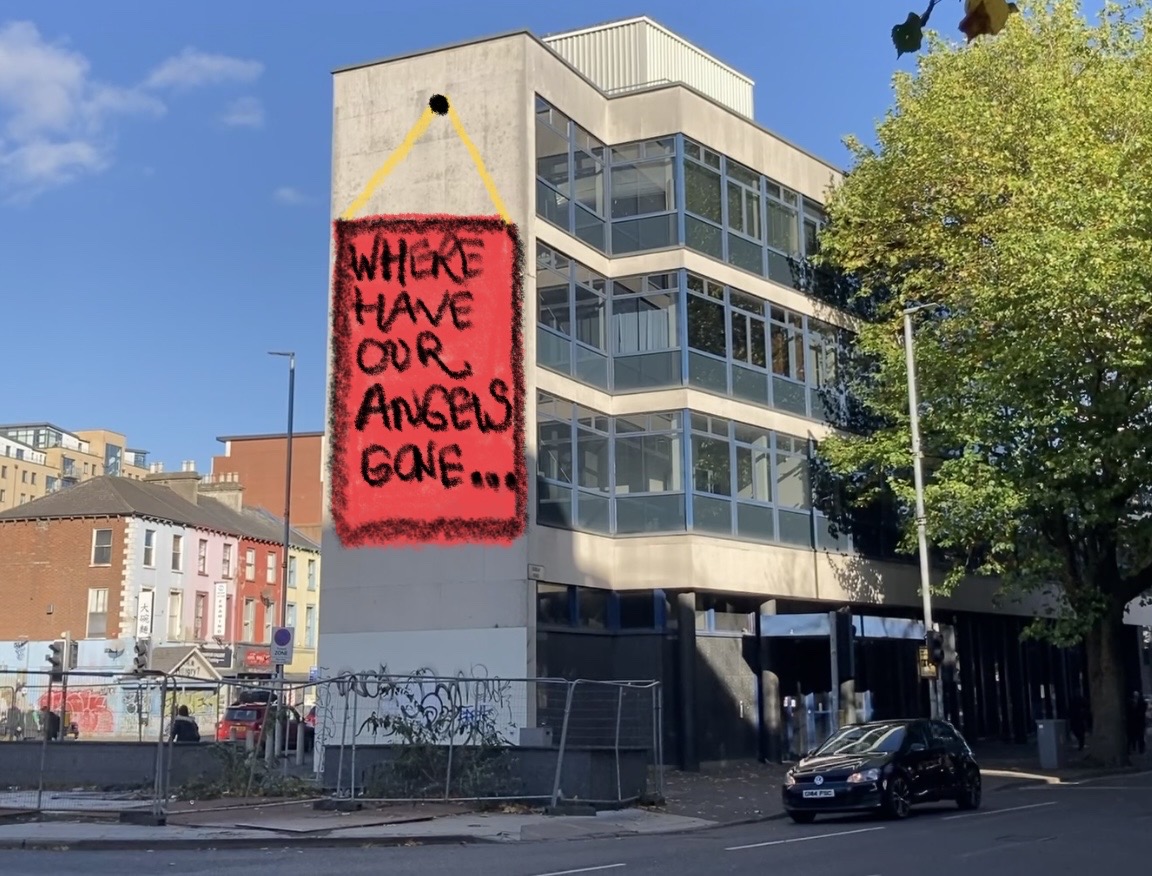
column 244, row 718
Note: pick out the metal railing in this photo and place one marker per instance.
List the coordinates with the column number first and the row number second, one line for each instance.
column 369, row 736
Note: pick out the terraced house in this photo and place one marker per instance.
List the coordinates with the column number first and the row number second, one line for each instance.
column 677, row 366
column 114, row 560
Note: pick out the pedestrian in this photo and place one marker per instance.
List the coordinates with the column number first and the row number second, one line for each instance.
column 1137, row 723
column 50, row 723
column 184, row 727
column 1078, row 719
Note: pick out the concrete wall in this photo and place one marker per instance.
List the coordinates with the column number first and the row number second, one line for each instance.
column 442, row 608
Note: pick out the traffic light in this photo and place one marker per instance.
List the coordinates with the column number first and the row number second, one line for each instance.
column 935, row 643
column 985, row 17
column 140, row 656
column 73, row 656
column 56, row 660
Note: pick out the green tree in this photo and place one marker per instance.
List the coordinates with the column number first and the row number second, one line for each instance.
column 1011, row 186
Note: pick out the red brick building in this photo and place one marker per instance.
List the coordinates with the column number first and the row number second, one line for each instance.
column 46, row 574
column 259, row 462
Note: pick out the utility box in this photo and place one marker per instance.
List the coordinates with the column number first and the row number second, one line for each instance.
column 1051, row 742
column 536, row 737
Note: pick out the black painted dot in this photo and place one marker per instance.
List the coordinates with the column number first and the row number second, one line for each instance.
column 477, row 479
column 510, row 481
column 438, row 103
column 493, row 480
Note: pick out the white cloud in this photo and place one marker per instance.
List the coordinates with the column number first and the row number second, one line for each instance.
column 290, row 196
column 246, row 112
column 56, row 120
column 192, row 68
column 53, row 116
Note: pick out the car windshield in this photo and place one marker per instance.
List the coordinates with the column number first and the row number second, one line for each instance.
column 875, row 739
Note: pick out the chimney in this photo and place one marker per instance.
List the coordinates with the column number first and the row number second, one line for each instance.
column 188, row 465
column 184, row 483
column 225, row 489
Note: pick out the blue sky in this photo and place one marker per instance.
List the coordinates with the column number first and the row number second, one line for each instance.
column 164, row 171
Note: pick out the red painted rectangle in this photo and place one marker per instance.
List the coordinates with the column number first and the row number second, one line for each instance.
column 427, row 389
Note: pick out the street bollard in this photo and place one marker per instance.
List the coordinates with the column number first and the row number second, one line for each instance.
column 249, row 741
column 300, row 744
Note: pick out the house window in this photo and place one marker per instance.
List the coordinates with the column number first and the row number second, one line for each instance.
column 229, row 621
column 24, row 476
column 290, row 616
column 269, row 621
column 97, row 612
column 175, row 615
column 250, row 564
column 33, row 478
column 199, row 616
column 202, row 557
column 249, row 631
column 311, row 574
column 270, row 568
column 149, row 548
column 102, row 547
column 177, row 553
column 226, row 563
column 291, row 571
column 310, row 626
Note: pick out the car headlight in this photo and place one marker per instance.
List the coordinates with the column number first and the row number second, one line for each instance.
column 864, row 776
column 789, row 780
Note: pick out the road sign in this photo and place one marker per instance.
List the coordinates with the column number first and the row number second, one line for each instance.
column 283, row 639
column 927, row 667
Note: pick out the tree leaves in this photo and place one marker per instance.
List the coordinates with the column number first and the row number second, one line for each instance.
column 909, row 36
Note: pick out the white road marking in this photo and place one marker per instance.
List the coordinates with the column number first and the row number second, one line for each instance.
column 583, row 870
column 997, row 811
column 802, row 839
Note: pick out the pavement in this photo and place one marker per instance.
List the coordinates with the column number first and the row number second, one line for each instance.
column 1065, row 829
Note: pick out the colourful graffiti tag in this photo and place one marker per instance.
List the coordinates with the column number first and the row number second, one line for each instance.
column 87, row 707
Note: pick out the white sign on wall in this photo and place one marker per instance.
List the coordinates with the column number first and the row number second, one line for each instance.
column 220, row 609
column 144, row 615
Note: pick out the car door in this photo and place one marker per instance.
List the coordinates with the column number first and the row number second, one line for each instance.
column 942, row 756
column 955, row 750
column 916, row 759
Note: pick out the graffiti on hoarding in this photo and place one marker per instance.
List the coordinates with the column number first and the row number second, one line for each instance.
column 87, row 707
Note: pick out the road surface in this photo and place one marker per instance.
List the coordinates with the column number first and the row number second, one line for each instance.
column 1098, row 827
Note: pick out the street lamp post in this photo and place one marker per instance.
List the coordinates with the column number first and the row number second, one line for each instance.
column 287, row 495
column 918, row 480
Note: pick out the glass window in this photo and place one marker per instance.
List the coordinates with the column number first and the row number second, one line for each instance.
column 554, row 451
column 637, row 611
column 711, row 467
column 787, row 344
column 149, row 548
column 792, row 475
column 588, row 182
column 706, row 331
column 592, row 460
column 552, row 289
column 644, row 323
column 643, row 189
column 703, row 191
column 552, row 605
column 590, row 308
column 782, row 229
column 552, row 148
column 648, row 464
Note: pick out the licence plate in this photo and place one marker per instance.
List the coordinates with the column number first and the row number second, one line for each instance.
column 821, row 793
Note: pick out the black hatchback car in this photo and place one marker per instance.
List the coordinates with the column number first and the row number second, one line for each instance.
column 883, row 766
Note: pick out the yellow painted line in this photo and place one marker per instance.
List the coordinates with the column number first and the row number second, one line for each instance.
column 479, row 162
column 401, row 152
column 389, row 165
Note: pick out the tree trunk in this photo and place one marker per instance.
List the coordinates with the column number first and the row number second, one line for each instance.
column 1106, row 688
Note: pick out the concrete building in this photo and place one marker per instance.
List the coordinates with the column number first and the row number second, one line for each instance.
column 676, row 357
column 259, row 463
column 65, row 459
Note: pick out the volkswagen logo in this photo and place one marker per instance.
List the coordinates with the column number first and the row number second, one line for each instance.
column 819, row 780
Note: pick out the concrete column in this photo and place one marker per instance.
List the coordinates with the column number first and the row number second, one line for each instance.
column 686, row 663
column 772, row 734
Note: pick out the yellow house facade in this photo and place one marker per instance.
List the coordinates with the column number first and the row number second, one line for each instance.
column 303, row 603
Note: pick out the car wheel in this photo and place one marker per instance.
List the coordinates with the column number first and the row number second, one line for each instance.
column 898, row 801
column 968, row 797
column 802, row 817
